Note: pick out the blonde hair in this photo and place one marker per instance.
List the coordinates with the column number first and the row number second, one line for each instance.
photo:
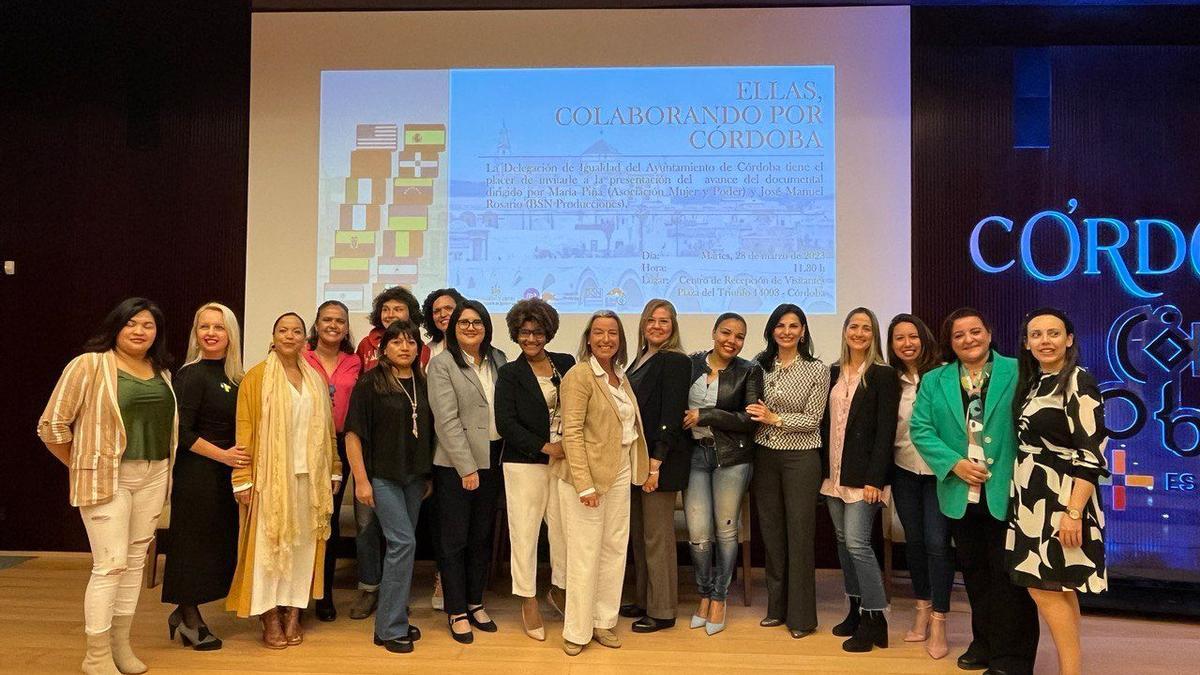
column 673, row 343
column 874, row 351
column 585, row 346
column 233, row 352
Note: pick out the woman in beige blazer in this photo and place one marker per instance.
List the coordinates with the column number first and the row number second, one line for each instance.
column 112, row 421
column 605, row 450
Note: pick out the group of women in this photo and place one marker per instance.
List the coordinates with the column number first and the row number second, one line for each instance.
column 1000, row 454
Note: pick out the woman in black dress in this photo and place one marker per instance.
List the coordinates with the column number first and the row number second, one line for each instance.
column 204, row 526
column 1055, row 522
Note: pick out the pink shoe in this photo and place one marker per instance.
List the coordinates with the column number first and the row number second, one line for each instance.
column 936, row 646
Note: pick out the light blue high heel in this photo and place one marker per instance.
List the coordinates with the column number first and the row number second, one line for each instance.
column 698, row 621
column 714, row 628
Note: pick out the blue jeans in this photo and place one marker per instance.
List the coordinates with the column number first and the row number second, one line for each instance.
column 396, row 509
column 712, row 505
column 368, row 546
column 926, row 537
column 852, row 525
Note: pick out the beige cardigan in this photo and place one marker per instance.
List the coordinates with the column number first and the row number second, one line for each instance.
column 83, row 411
column 592, row 433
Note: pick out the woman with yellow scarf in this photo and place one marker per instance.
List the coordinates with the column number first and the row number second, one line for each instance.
column 286, row 492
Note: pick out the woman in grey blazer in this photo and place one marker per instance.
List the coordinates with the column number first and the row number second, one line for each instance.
column 466, row 463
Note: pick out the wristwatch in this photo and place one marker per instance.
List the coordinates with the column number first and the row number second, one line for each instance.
column 1074, row 514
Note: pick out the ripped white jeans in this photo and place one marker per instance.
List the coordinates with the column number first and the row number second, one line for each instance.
column 119, row 532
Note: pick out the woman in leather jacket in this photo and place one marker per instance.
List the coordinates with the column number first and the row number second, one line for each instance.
column 722, row 386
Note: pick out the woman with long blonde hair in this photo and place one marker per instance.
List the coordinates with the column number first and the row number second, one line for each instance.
column 204, row 529
column 859, row 429
column 659, row 377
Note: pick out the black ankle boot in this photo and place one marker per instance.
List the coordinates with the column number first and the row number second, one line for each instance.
column 850, row 624
column 872, row 631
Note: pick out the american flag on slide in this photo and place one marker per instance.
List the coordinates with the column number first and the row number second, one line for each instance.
column 376, row 136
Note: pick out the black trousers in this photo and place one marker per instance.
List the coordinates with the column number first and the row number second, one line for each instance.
column 466, row 519
column 785, row 486
column 1004, row 618
column 335, row 528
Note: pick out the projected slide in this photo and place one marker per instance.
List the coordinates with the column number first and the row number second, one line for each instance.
column 599, row 187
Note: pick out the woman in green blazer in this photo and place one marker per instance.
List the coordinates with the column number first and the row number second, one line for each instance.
column 963, row 428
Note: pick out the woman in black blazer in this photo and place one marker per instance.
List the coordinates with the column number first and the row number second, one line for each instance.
column 527, row 416
column 722, row 385
column 659, row 378
column 859, row 429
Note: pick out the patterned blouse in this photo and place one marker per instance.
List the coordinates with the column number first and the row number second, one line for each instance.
column 797, row 393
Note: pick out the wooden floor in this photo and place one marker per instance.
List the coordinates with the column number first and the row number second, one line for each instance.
column 41, row 620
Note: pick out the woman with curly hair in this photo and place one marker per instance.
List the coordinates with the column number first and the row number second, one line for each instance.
column 396, row 303
column 436, row 310
column 529, row 420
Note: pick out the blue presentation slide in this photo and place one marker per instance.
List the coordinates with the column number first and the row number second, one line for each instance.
column 590, row 187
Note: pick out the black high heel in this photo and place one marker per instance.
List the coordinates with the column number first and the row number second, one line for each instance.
column 462, row 638
column 199, row 638
column 488, row 626
column 173, row 622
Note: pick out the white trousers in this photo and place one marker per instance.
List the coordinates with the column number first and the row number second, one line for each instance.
column 531, row 493
column 119, row 532
column 595, row 557
column 291, row 587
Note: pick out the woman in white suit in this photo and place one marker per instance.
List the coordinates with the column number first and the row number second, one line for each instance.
column 605, row 448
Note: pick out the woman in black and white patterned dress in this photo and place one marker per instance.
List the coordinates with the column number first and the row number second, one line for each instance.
column 1055, row 524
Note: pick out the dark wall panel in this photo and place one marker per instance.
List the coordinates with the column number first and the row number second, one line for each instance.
column 124, row 173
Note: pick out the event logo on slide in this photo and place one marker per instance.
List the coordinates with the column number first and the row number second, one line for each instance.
column 589, row 187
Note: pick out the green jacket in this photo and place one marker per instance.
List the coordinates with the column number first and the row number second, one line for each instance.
column 939, row 430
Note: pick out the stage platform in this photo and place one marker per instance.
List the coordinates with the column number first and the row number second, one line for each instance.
column 42, row 632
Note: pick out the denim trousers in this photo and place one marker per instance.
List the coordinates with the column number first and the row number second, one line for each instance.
column 712, row 505
column 852, row 525
column 396, row 508
column 926, row 537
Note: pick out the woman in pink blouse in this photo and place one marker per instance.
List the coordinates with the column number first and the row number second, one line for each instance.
column 859, row 429
column 331, row 352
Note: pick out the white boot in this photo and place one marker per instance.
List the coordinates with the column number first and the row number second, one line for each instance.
column 98, row 660
column 122, row 653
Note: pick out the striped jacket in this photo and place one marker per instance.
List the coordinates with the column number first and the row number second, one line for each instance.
column 83, row 411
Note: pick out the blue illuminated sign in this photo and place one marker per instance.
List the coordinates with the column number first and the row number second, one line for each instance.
column 1150, row 352
column 1099, row 244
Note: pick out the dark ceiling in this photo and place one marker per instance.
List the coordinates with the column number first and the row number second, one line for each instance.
column 376, row 5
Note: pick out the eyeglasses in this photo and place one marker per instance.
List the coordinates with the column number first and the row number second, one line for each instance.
column 470, row 323
column 531, row 334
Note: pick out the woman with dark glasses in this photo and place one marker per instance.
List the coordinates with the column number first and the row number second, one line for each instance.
column 528, row 418
column 466, row 474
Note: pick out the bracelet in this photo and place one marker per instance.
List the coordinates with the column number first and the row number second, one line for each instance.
column 653, row 473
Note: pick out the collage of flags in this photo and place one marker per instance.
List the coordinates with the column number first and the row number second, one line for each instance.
column 383, row 218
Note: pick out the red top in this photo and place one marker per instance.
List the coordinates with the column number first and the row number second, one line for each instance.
column 341, row 383
column 368, row 350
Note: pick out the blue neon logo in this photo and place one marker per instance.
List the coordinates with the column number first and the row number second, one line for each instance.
column 1100, row 244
